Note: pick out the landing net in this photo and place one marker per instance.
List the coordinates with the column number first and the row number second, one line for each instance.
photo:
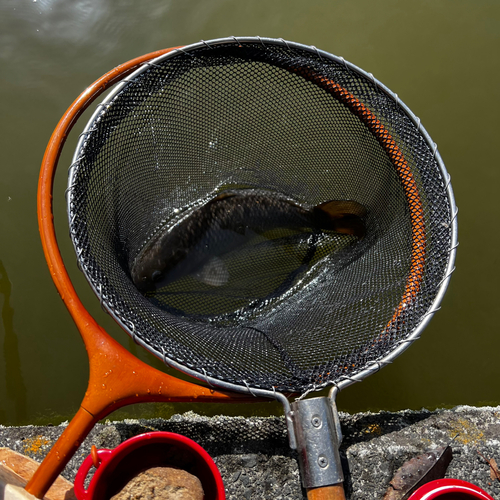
column 297, row 309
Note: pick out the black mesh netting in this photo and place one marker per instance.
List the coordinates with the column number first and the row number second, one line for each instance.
column 299, row 308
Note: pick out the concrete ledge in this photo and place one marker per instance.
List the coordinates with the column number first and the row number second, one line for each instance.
column 256, row 462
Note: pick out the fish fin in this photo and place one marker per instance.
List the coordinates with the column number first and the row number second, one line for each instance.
column 214, row 272
column 344, row 216
column 224, row 195
column 340, row 208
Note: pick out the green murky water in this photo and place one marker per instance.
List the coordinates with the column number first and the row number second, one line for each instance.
column 438, row 55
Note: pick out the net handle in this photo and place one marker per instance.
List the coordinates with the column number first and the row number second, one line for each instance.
column 117, row 378
column 335, row 492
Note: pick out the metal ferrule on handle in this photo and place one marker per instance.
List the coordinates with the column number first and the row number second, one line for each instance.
column 318, row 437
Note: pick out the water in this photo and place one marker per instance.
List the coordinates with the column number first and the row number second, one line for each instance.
column 438, row 55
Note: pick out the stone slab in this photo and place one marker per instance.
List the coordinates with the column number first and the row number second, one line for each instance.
column 256, row 462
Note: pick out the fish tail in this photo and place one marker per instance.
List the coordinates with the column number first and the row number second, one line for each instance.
column 345, row 217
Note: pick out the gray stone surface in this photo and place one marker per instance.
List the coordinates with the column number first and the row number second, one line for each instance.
column 256, row 462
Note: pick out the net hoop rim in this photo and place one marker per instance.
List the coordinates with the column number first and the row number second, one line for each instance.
column 401, row 346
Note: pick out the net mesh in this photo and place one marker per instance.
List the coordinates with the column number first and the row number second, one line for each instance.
column 300, row 308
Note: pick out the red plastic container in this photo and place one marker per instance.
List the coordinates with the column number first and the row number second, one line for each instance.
column 154, row 449
column 450, row 489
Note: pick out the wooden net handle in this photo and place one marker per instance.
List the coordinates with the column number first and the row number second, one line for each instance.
column 335, row 492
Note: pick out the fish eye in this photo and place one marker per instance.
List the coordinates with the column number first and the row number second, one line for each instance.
column 156, row 275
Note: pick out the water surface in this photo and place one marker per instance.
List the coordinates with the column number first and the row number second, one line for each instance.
column 438, row 55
